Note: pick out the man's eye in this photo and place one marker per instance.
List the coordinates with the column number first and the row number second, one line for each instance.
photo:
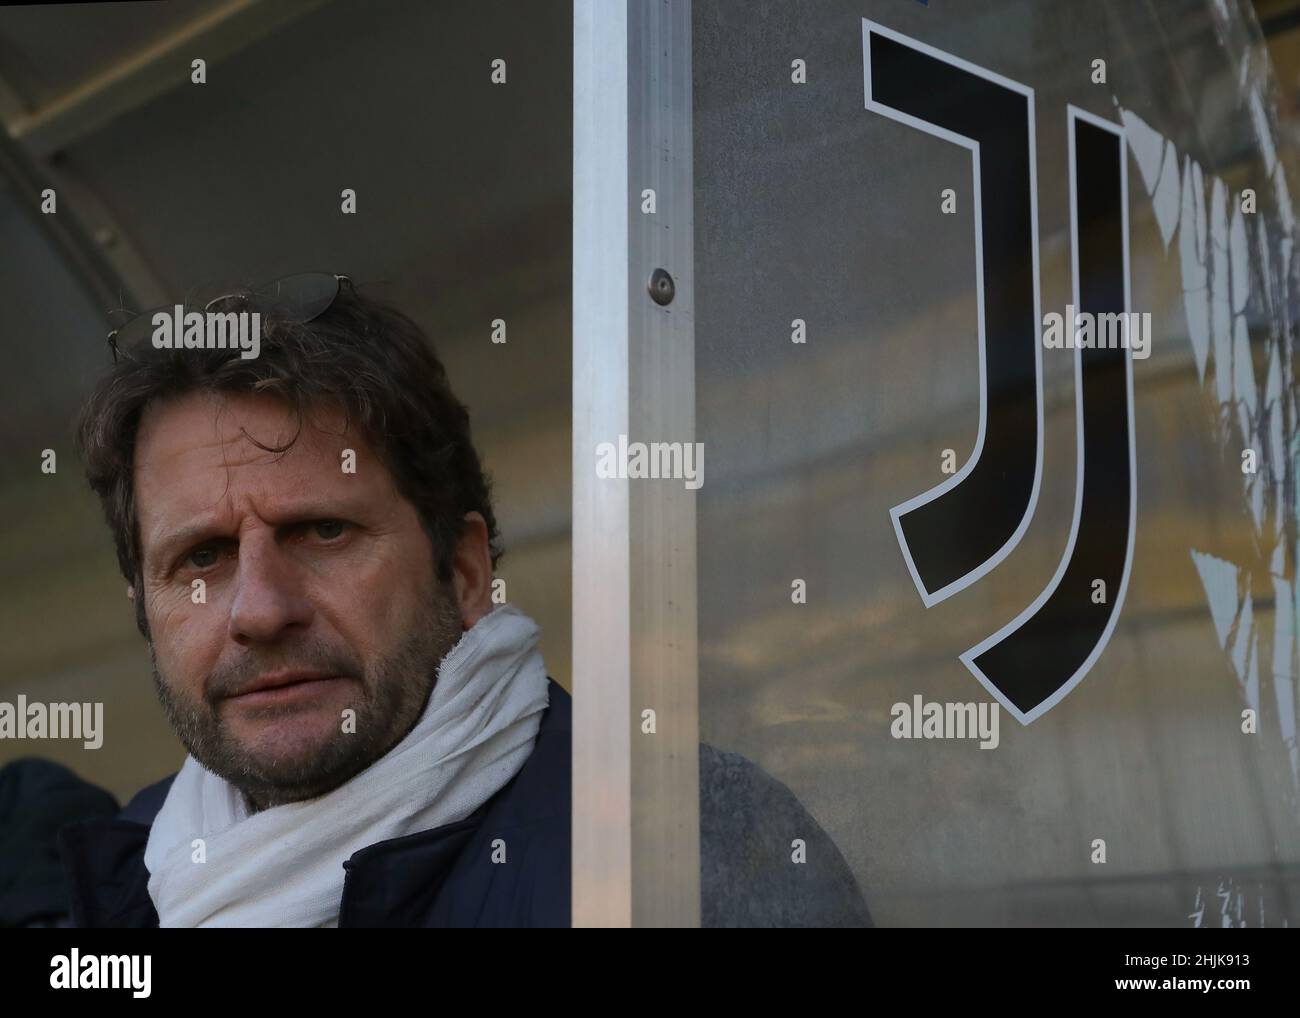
column 328, row 529
column 201, row 558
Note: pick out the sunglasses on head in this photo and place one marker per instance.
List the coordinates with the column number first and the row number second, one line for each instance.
column 294, row 299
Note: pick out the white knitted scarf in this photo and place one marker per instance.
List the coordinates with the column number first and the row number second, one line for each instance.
column 284, row 865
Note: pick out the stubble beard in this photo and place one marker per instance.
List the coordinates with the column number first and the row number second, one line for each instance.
column 395, row 691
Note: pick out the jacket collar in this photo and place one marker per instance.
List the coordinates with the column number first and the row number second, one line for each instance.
column 389, row 883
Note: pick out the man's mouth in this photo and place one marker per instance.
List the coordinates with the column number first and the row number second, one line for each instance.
column 283, row 687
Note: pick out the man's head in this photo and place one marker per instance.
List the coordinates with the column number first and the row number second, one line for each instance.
column 304, row 535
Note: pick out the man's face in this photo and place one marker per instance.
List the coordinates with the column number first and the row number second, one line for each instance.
column 319, row 595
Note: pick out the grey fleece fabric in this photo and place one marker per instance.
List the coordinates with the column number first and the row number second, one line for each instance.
column 748, row 820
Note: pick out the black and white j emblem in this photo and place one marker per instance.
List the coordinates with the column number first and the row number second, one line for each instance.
column 955, row 533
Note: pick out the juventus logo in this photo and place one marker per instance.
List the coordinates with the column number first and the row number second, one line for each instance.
column 955, row 533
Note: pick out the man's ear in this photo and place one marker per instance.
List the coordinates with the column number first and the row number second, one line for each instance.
column 472, row 570
column 130, row 592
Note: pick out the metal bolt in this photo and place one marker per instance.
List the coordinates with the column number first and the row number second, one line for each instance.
column 662, row 288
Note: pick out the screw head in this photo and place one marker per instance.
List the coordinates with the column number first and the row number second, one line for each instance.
column 662, row 288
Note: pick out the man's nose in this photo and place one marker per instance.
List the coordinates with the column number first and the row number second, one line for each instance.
column 269, row 595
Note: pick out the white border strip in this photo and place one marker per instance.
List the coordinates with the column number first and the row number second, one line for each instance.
column 602, row 664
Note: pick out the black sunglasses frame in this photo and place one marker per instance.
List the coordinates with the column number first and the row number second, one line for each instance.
column 249, row 298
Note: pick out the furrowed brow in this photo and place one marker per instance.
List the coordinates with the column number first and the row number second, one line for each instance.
column 167, row 546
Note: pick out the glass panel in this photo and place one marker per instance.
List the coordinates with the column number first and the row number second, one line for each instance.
column 1107, row 772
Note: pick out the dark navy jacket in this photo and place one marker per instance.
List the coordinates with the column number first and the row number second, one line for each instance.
column 442, row 877
column 749, row 822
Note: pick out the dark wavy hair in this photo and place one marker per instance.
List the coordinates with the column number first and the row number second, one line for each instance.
column 361, row 356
